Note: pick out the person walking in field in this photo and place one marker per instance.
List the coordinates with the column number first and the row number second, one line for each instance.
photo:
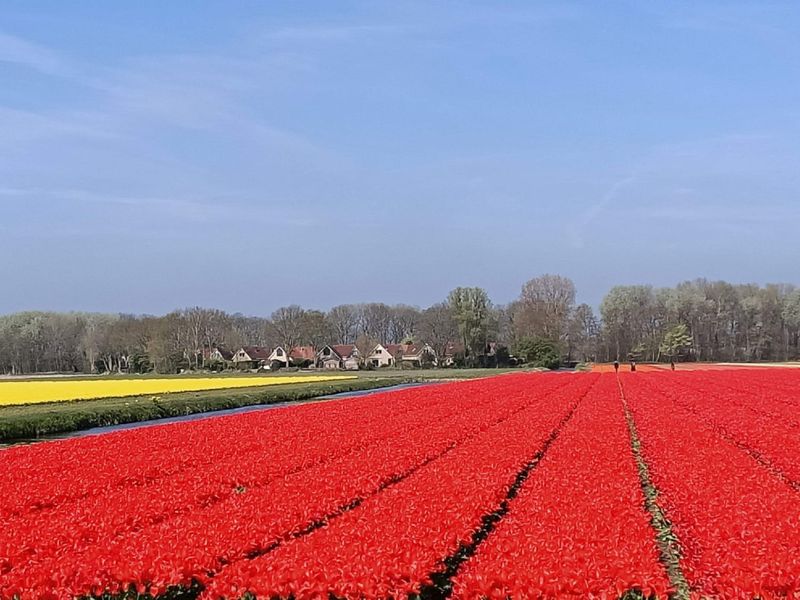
column 633, row 366
column 672, row 364
column 616, row 366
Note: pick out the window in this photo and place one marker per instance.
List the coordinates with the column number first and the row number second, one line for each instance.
column 326, row 352
column 279, row 352
column 378, row 351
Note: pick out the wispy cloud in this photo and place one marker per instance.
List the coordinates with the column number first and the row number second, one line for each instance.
column 330, row 33
column 18, row 51
column 27, row 126
column 576, row 230
column 218, row 209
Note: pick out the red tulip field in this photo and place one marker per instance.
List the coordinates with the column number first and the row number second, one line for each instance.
column 651, row 484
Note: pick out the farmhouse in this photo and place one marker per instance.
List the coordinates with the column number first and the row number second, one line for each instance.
column 302, row 356
column 217, row 354
column 389, row 355
column 251, row 357
column 452, row 353
column 418, row 355
column 280, row 355
column 339, row 356
column 384, row 355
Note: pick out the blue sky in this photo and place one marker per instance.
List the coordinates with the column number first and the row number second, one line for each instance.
column 247, row 155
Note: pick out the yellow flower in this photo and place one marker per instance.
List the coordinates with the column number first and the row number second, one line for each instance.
column 29, row 392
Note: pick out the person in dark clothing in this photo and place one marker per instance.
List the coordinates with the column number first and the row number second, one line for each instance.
column 633, row 365
column 616, row 366
column 672, row 364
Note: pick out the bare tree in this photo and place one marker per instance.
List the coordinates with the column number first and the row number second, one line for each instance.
column 544, row 306
column 376, row 321
column 438, row 327
column 344, row 321
column 403, row 321
column 288, row 322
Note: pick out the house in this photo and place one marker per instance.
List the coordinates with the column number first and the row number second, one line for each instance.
column 302, row 356
column 453, row 352
column 389, row 355
column 216, row 354
column 339, row 356
column 280, row 355
column 251, row 357
column 384, row 355
column 418, row 355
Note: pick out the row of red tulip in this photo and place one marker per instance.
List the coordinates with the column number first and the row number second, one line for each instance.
column 738, row 524
column 760, row 423
column 121, row 509
column 45, row 475
column 579, row 527
column 204, row 519
column 394, row 541
column 379, row 496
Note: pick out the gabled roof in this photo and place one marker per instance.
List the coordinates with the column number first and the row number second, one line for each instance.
column 257, row 352
column 333, row 354
column 416, row 349
column 274, row 351
column 454, row 348
column 302, row 353
column 345, row 350
column 223, row 352
column 394, row 349
column 391, row 349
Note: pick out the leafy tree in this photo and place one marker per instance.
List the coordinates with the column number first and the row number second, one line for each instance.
column 676, row 341
column 539, row 352
column 471, row 309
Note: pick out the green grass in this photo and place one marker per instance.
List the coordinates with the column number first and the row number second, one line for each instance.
column 36, row 420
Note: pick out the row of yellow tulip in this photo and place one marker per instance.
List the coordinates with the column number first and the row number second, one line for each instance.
column 30, row 392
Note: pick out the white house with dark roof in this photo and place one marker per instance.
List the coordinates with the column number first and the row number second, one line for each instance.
column 339, row 356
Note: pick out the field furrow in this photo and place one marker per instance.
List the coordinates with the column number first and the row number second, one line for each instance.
column 754, row 424
column 737, row 524
column 392, row 544
column 251, row 513
column 578, row 527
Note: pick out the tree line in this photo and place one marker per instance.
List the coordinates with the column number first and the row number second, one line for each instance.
column 697, row 320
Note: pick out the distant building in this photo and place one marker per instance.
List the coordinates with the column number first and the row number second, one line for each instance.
column 280, row 355
column 251, row 357
column 389, row 355
column 299, row 356
column 302, row 356
column 418, row 355
column 452, row 353
column 217, row 354
column 384, row 355
column 339, row 356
